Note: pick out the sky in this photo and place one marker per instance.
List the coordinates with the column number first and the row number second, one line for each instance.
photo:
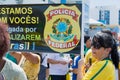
column 94, row 3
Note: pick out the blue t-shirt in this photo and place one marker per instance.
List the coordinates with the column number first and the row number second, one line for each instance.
column 75, row 66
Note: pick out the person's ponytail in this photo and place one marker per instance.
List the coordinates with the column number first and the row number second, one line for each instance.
column 114, row 55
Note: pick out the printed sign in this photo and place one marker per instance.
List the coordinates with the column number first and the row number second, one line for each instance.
column 44, row 27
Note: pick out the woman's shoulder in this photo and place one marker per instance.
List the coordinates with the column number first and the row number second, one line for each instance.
column 104, row 64
column 12, row 67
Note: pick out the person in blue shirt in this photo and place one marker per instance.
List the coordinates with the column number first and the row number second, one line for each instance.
column 75, row 67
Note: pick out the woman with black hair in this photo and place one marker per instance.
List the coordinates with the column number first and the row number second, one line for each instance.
column 104, row 50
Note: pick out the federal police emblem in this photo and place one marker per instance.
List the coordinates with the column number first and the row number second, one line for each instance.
column 62, row 29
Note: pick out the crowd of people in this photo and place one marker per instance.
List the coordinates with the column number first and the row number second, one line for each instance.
column 100, row 62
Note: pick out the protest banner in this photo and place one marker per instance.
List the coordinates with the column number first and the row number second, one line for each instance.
column 44, row 27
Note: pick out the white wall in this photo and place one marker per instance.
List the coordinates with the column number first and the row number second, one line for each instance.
column 23, row 2
column 94, row 13
column 7, row 2
column 114, row 15
column 56, row 1
column 34, row 1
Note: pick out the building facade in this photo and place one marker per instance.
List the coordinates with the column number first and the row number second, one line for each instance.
column 109, row 15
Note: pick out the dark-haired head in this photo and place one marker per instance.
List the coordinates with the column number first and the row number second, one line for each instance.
column 107, row 31
column 86, row 37
column 105, row 40
column 102, row 40
column 4, row 39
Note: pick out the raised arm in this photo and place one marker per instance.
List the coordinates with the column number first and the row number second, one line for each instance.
column 34, row 58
